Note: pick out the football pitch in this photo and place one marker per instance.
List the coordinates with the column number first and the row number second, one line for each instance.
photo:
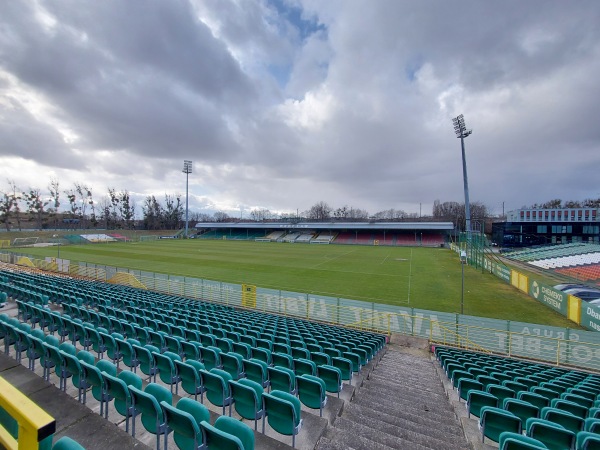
column 419, row 277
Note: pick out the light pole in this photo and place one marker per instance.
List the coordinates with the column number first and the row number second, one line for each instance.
column 187, row 169
column 463, row 261
column 461, row 132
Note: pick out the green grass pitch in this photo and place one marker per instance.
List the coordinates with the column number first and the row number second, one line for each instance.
column 425, row 278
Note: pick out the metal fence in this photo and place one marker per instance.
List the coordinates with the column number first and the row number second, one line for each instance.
column 556, row 345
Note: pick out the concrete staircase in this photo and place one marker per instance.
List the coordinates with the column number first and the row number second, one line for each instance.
column 402, row 404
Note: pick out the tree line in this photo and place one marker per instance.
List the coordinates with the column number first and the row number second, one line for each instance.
column 77, row 206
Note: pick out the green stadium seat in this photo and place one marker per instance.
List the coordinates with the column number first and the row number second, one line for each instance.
column 228, row 434
column 562, row 417
column 191, row 378
column 282, row 410
column 233, row 364
column 312, row 392
column 304, row 367
column 332, row 376
column 67, row 443
column 494, row 421
column 147, row 404
column 520, row 408
column 211, row 357
column 587, row 440
column 476, row 400
column 184, row 419
column 257, row 371
column 515, row 441
column 117, row 388
column 283, row 379
column 247, row 399
column 553, row 436
column 145, row 355
column 216, row 383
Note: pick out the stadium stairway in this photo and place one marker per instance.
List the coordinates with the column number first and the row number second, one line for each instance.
column 402, row 404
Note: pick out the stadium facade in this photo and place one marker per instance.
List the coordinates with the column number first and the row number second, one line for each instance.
column 527, row 227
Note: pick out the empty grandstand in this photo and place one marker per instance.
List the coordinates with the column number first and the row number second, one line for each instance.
column 432, row 234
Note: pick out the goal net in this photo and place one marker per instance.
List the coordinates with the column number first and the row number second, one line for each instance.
column 23, row 242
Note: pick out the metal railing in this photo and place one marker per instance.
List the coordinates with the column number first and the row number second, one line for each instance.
column 551, row 344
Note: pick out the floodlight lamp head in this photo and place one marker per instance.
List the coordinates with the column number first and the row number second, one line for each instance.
column 187, row 166
column 460, row 128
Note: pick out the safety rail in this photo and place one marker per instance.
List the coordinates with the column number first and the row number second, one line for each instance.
column 24, row 425
column 536, row 347
column 452, row 337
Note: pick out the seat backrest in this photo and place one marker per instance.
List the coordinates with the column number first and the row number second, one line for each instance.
column 66, row 443
column 222, row 440
column 564, row 418
column 247, row 396
column 283, row 411
column 311, row 391
column 494, row 421
column 147, row 402
column 478, row 399
column 238, row 429
column 282, row 379
column 256, row 371
column 332, row 376
column 551, row 434
column 517, row 441
column 465, row 385
column 520, row 408
column 186, row 429
column 216, row 382
column 587, row 440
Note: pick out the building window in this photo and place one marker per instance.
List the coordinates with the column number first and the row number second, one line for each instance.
column 542, row 229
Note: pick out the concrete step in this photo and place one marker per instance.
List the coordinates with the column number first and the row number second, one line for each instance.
column 407, row 397
column 390, row 441
column 330, row 444
column 434, row 390
column 419, row 408
column 432, row 436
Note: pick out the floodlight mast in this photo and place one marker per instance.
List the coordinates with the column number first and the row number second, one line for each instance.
column 187, row 169
column 461, row 132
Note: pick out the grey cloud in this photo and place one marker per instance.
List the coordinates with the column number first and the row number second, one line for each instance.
column 213, row 81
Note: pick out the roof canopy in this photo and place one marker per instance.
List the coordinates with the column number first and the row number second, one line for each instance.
column 398, row 226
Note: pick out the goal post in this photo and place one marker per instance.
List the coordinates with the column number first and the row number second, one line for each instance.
column 24, row 242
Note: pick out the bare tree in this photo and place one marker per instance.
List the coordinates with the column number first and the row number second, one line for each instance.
column 455, row 212
column 73, row 207
column 221, row 216
column 54, row 189
column 319, row 211
column 259, row 215
column 104, row 209
column 35, row 205
column 15, row 197
column 6, row 209
column 126, row 210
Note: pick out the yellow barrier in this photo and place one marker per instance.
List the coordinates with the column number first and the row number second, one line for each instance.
column 126, row 279
column 34, row 423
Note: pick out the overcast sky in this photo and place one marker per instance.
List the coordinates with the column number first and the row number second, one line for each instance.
column 281, row 104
